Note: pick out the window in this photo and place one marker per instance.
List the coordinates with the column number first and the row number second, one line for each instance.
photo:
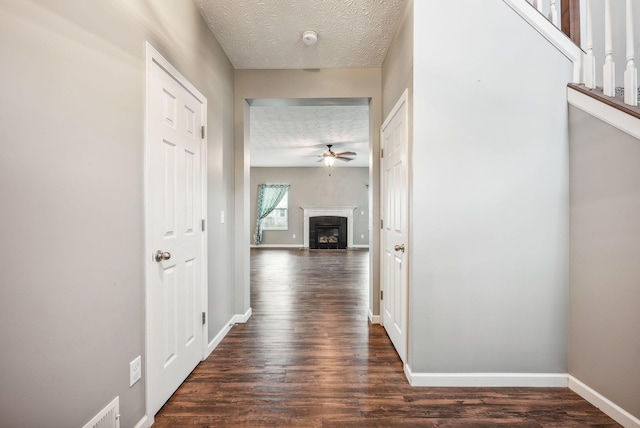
column 278, row 219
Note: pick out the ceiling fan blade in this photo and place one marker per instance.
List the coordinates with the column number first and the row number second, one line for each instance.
column 347, row 154
column 342, row 158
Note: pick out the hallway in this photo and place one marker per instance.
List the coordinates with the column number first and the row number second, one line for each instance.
column 309, row 358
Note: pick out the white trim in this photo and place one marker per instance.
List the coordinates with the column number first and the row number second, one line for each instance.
column 300, row 246
column 149, row 52
column 143, row 423
column 242, row 318
column 524, row 380
column 408, row 374
column 610, row 408
column 218, row 338
column 611, row 115
column 345, row 211
column 204, row 156
column 550, row 32
column 277, row 246
column 374, row 319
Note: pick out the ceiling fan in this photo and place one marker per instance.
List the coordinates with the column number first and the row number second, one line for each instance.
column 330, row 156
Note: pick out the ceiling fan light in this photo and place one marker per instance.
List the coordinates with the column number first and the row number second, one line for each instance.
column 329, row 160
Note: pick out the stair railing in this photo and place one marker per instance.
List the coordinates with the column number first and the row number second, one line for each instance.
column 551, row 9
column 631, row 73
column 571, row 27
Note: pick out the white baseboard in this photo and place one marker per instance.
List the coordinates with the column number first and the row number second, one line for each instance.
column 300, row 246
column 610, row 408
column 143, row 423
column 277, row 246
column 213, row 344
column 525, row 380
column 242, row 318
column 238, row 318
column 374, row 319
column 407, row 373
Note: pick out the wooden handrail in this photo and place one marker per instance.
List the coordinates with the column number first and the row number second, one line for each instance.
column 571, row 19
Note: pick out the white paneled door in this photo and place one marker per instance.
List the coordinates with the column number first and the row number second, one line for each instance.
column 175, row 242
column 394, row 136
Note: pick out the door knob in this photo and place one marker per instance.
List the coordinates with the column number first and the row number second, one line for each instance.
column 162, row 255
column 399, row 248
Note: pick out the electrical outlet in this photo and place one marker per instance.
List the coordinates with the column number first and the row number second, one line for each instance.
column 294, row 236
column 361, row 212
column 135, row 370
column 221, row 217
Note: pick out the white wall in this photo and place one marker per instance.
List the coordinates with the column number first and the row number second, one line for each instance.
column 489, row 238
column 71, row 180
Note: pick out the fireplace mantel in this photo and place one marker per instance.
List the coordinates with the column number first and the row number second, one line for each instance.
column 346, row 211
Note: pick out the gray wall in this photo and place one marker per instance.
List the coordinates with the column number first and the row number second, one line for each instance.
column 71, row 180
column 604, row 333
column 490, row 204
column 397, row 69
column 328, row 83
column 314, row 187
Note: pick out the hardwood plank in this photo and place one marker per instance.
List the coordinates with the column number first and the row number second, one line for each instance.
column 309, row 358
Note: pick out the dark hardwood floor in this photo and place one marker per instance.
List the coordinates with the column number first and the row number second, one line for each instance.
column 309, row 358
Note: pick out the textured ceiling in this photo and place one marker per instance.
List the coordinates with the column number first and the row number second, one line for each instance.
column 287, row 136
column 267, row 34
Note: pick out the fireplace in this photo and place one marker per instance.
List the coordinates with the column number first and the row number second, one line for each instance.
column 335, row 211
column 327, row 232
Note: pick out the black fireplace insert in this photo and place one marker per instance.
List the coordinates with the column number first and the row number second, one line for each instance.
column 327, row 232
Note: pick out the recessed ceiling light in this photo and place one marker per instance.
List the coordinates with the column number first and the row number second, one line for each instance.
column 310, row 38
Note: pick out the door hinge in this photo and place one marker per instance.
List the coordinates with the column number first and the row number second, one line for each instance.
column 204, row 318
column 203, row 224
column 382, row 153
column 381, row 295
column 202, row 132
column 381, row 224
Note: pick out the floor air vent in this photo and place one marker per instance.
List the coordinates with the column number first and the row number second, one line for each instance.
column 109, row 417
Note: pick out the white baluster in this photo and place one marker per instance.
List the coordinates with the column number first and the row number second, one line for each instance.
column 589, row 59
column 609, row 69
column 538, row 4
column 553, row 13
column 630, row 74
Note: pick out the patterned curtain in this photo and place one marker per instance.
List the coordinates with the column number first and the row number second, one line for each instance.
column 269, row 196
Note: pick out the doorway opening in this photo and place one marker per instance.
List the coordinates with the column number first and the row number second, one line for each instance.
column 288, row 143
